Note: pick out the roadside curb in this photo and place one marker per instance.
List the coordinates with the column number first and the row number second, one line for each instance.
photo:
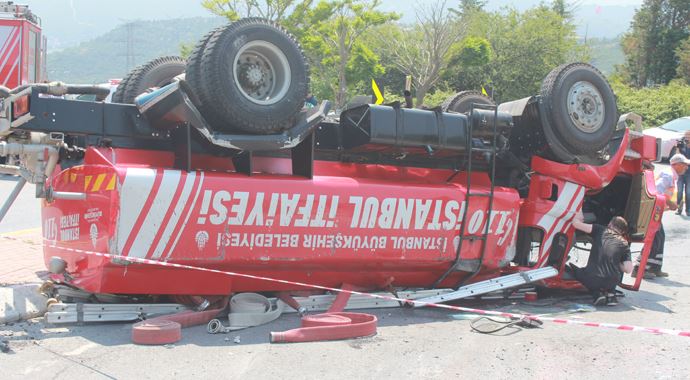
column 21, row 302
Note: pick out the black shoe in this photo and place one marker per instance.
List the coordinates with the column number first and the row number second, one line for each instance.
column 648, row 274
column 599, row 300
column 611, row 299
column 660, row 273
column 679, row 212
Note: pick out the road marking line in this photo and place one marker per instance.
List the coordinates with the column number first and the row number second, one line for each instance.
column 21, row 232
column 81, row 350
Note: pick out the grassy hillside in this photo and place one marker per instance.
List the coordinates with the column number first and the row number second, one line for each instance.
column 104, row 57
column 606, row 53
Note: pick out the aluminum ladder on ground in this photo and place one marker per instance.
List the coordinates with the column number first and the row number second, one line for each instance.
column 59, row 313
column 85, row 312
column 100, row 312
column 492, row 285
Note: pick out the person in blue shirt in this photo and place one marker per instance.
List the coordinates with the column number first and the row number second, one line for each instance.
column 665, row 185
column 311, row 101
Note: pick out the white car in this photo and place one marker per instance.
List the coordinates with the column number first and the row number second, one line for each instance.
column 113, row 83
column 669, row 134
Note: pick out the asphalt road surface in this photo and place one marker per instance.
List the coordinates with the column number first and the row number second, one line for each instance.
column 26, row 211
column 419, row 343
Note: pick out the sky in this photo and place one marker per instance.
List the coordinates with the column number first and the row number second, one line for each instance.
column 68, row 22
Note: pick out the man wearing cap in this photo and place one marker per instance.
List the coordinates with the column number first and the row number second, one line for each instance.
column 665, row 185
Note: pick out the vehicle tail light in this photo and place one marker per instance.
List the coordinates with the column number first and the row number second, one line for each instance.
column 20, row 107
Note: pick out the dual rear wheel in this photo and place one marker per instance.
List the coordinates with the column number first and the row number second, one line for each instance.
column 250, row 76
column 579, row 110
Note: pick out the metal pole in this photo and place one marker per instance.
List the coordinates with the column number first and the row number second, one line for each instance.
column 9, row 169
column 13, row 196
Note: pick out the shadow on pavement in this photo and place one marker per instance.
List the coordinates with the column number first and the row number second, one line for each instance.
column 650, row 301
column 670, row 283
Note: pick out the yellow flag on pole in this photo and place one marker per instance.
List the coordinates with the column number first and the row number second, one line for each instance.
column 377, row 93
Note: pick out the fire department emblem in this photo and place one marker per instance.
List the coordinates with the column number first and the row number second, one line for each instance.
column 456, row 243
column 93, row 234
column 201, row 239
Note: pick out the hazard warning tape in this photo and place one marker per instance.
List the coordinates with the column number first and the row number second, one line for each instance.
column 614, row 326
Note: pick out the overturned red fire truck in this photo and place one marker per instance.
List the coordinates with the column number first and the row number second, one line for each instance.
column 214, row 162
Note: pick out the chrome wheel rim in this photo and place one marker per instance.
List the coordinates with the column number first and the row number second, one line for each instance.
column 261, row 72
column 586, row 107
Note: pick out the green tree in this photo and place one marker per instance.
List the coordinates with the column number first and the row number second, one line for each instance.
column 683, row 54
column 525, row 46
column 422, row 50
column 286, row 12
column 657, row 105
column 657, row 30
column 391, row 78
column 333, row 44
column 186, row 50
column 566, row 9
column 468, row 6
column 469, row 64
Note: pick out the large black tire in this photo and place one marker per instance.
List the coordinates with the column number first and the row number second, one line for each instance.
column 580, row 107
column 202, row 97
column 463, row 100
column 156, row 73
column 120, row 91
column 257, row 75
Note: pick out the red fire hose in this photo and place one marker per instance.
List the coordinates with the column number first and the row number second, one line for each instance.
column 167, row 329
column 332, row 325
column 329, row 326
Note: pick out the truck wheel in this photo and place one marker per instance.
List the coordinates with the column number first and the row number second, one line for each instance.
column 463, row 100
column 120, row 90
column 156, row 73
column 257, row 74
column 580, row 106
column 202, row 97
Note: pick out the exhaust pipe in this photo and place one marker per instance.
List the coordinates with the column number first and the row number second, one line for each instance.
column 59, row 89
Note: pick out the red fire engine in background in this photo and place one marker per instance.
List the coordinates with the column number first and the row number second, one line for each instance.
column 23, row 51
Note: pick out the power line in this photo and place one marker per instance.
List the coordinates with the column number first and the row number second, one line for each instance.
column 130, row 43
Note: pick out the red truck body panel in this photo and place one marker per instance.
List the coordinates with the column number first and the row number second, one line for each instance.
column 367, row 225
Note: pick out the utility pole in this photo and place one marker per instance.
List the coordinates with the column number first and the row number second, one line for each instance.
column 129, row 46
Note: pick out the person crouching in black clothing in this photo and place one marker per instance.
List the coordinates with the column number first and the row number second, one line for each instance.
column 608, row 259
